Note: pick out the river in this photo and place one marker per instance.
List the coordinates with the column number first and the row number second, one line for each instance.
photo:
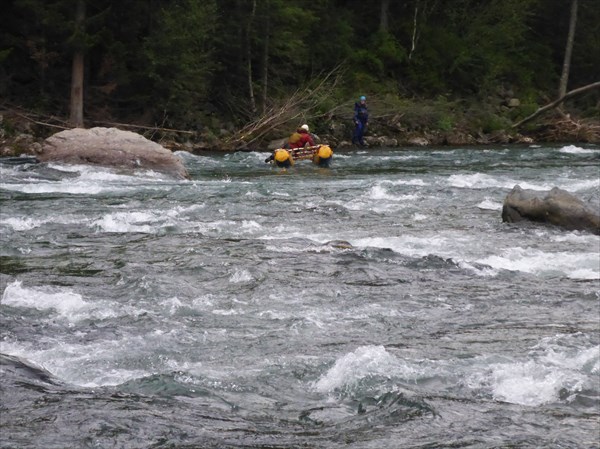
column 380, row 303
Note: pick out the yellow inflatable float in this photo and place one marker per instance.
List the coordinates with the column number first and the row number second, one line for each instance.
column 321, row 155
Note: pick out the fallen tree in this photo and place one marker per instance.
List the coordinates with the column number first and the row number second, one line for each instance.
column 558, row 102
column 301, row 106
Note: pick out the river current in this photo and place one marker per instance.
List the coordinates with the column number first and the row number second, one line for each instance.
column 380, row 303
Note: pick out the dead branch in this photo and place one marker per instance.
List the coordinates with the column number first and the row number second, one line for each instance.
column 153, row 128
column 37, row 122
column 37, row 119
column 302, row 103
column 566, row 128
column 558, row 102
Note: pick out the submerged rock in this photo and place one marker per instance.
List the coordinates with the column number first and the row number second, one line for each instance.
column 557, row 207
column 110, row 147
column 339, row 244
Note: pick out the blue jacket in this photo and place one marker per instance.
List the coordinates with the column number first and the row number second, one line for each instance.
column 361, row 113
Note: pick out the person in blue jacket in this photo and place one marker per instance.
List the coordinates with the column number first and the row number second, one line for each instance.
column 361, row 120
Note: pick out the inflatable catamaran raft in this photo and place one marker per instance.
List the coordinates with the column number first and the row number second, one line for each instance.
column 321, row 155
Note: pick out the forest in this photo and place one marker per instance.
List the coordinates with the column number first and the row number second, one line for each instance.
column 235, row 73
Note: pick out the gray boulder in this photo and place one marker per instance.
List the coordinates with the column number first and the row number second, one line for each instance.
column 110, row 147
column 557, row 207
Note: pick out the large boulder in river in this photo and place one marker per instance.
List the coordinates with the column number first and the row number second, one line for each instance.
column 110, row 147
column 557, row 207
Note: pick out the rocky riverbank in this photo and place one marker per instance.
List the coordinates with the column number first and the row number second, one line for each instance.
column 22, row 135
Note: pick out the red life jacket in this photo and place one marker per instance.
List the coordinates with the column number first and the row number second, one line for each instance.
column 300, row 138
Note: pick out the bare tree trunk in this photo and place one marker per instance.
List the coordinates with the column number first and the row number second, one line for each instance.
column 564, row 78
column 249, row 58
column 384, row 24
column 413, row 44
column 76, row 111
column 265, row 77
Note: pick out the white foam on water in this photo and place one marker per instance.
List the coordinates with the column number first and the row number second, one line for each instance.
column 232, row 227
column 582, row 359
column 553, row 372
column 250, row 225
column 484, row 181
column 489, row 204
column 219, row 226
column 410, row 245
column 226, row 312
column 172, row 304
column 408, row 182
column 525, row 383
column 379, row 192
column 92, row 180
column 342, row 156
column 22, row 223
column 576, row 186
column 28, row 223
column 124, row 222
column 69, row 168
column 574, row 265
column 108, row 175
column 365, row 361
column 72, row 187
column 87, row 366
column 585, row 239
column 378, row 198
column 64, row 301
column 461, row 248
column 240, row 276
column 572, row 149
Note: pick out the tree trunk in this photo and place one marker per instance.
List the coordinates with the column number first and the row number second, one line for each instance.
column 564, row 78
column 265, row 77
column 384, row 17
column 413, row 44
column 76, row 111
column 249, row 58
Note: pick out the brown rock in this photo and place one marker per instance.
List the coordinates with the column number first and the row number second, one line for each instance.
column 110, row 147
column 557, row 207
column 418, row 141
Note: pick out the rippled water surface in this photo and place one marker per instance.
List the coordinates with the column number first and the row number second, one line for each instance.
column 380, row 303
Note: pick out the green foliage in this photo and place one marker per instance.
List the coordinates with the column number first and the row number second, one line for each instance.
column 379, row 60
column 180, row 59
column 419, row 115
column 524, row 110
column 445, row 123
column 4, row 54
column 488, row 122
column 388, row 51
column 181, row 62
column 365, row 61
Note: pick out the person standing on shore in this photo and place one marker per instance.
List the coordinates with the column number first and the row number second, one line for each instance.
column 361, row 121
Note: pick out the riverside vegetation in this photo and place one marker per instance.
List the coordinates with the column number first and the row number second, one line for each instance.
column 230, row 75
